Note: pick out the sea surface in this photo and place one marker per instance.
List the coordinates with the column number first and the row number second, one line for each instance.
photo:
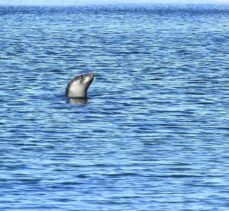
column 154, row 132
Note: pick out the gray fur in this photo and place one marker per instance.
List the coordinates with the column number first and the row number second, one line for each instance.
column 78, row 86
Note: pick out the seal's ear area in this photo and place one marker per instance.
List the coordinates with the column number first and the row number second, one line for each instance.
column 79, row 77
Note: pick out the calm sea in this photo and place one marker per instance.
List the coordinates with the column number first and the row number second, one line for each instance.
column 154, row 133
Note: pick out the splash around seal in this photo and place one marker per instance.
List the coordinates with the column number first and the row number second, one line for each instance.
column 78, row 86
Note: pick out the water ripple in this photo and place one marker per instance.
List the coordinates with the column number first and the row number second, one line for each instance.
column 153, row 134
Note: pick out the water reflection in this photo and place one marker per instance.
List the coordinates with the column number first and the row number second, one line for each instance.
column 80, row 101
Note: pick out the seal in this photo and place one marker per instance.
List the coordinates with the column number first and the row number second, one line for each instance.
column 78, row 86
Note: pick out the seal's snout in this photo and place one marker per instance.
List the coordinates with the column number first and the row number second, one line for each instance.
column 88, row 78
column 78, row 86
column 91, row 74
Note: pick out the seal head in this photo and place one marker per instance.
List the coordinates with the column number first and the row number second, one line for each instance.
column 78, row 86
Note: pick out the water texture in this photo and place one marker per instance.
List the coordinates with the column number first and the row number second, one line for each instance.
column 154, row 133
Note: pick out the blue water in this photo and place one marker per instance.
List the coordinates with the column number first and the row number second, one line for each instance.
column 154, row 133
